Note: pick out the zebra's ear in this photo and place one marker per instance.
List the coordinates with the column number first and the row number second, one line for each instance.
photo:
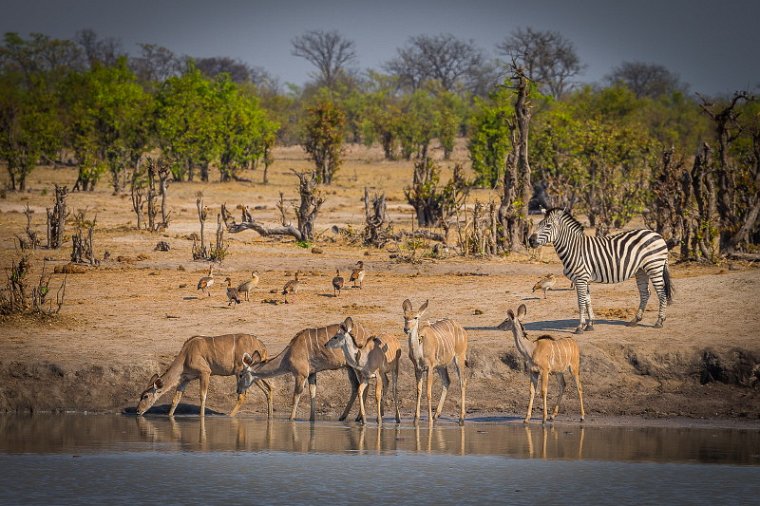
column 521, row 311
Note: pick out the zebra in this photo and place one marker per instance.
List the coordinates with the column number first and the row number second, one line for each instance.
column 641, row 253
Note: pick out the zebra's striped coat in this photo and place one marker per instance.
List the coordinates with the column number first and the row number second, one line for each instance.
column 640, row 253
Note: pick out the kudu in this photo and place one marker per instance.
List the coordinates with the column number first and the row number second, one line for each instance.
column 304, row 357
column 202, row 357
column 434, row 346
column 544, row 356
column 378, row 357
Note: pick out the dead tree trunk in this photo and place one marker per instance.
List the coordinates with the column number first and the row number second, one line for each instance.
column 31, row 241
column 311, row 201
column 137, row 191
column 517, row 190
column 56, row 218
column 375, row 227
column 82, row 240
column 706, row 234
column 200, row 252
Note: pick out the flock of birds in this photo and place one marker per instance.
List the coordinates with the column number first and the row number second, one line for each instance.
column 290, row 289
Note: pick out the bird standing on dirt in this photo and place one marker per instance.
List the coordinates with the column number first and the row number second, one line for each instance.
column 291, row 287
column 232, row 293
column 545, row 283
column 357, row 275
column 337, row 283
column 246, row 286
column 207, row 282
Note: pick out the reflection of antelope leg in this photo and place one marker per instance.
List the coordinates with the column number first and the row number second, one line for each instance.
column 580, row 444
column 529, row 436
column 543, row 444
column 461, row 440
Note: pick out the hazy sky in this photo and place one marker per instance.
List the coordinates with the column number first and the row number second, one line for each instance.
column 712, row 45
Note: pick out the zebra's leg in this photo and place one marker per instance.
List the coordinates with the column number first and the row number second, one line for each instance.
column 589, row 309
column 584, row 300
column 659, row 285
column 642, row 282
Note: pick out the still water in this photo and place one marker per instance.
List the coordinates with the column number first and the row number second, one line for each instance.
column 64, row 459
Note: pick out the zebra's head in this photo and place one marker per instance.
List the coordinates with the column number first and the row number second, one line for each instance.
column 547, row 229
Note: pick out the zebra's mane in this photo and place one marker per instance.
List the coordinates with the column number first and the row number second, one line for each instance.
column 569, row 217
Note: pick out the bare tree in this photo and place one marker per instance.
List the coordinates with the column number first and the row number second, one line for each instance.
column 239, row 71
column 155, row 64
column 646, row 79
column 329, row 51
column 546, row 57
column 444, row 58
column 104, row 51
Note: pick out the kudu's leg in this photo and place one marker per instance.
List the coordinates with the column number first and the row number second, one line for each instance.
column 577, row 375
column 418, row 375
column 533, row 381
column 266, row 387
column 460, row 364
column 380, row 380
column 561, row 382
column 177, row 396
column 204, row 380
column 545, row 391
column 240, row 400
column 297, row 391
column 354, row 386
column 362, row 387
column 313, row 396
column 395, row 388
column 443, row 373
column 386, row 382
column 430, row 396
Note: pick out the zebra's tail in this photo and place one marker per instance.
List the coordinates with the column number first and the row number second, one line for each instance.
column 669, row 288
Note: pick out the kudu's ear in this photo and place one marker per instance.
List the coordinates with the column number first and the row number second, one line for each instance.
column 423, row 308
column 511, row 314
column 153, row 379
column 407, row 306
column 158, row 384
column 348, row 324
column 247, row 359
column 255, row 357
column 521, row 311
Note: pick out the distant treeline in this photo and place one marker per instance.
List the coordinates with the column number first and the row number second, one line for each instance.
column 630, row 145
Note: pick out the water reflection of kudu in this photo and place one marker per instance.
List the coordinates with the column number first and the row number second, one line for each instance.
column 440, row 440
column 381, row 443
column 560, row 441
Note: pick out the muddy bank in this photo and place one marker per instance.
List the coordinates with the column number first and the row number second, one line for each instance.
column 618, row 381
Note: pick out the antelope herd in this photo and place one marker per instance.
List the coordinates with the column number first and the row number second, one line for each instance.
column 432, row 348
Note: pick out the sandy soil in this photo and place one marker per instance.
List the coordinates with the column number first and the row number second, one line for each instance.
column 126, row 319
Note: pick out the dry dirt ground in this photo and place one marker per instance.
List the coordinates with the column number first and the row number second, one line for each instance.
column 126, row 319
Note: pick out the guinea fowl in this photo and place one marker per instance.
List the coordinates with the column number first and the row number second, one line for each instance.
column 246, row 286
column 207, row 282
column 545, row 283
column 337, row 283
column 232, row 293
column 357, row 275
